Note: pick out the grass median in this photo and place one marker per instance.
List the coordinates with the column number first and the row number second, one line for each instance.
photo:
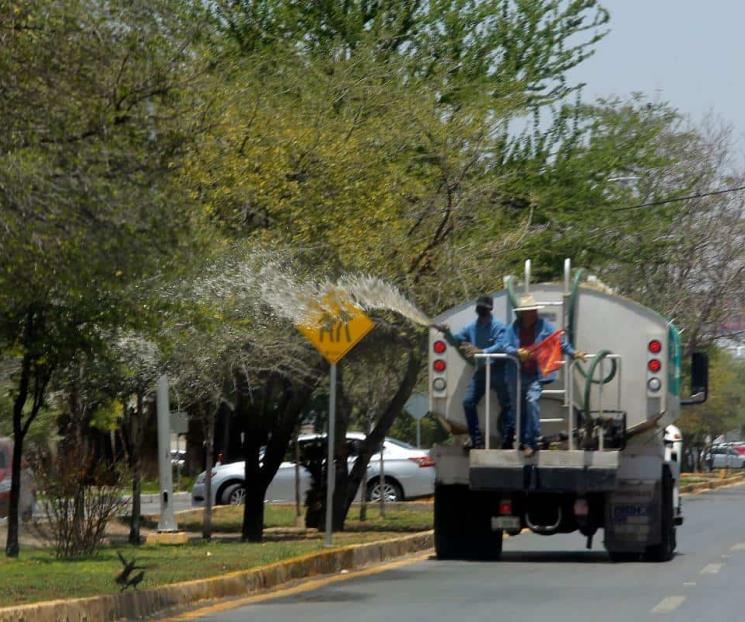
column 38, row 576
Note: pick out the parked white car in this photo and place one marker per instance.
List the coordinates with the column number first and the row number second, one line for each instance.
column 723, row 457
column 408, row 473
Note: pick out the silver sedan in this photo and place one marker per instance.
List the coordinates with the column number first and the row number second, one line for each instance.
column 408, row 473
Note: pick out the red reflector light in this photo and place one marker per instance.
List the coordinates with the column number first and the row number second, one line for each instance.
column 439, row 365
column 439, row 346
column 423, row 461
column 654, row 365
column 655, row 346
column 505, row 507
column 581, row 508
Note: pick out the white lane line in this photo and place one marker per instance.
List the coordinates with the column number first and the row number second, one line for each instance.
column 726, row 556
column 711, row 569
column 669, row 604
column 740, row 546
column 690, row 583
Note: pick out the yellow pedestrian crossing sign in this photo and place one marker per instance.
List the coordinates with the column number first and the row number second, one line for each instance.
column 336, row 327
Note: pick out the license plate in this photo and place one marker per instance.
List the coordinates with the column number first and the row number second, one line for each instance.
column 505, row 522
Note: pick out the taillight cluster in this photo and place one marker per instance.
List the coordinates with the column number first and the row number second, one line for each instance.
column 654, row 365
column 439, row 366
column 424, row 461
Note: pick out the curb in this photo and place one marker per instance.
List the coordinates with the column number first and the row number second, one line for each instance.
column 712, row 485
column 142, row 604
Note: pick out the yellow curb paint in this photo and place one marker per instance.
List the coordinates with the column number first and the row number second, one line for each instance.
column 709, row 486
column 305, row 586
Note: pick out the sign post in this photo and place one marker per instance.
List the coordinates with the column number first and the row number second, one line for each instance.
column 330, row 464
column 334, row 331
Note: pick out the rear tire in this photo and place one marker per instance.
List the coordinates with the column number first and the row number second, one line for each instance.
column 234, row 495
column 391, row 489
column 665, row 550
column 463, row 525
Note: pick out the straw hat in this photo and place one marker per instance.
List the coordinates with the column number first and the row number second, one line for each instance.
column 528, row 303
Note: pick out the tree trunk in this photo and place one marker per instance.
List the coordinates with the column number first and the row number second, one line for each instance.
column 253, row 510
column 253, row 518
column 376, row 437
column 11, row 546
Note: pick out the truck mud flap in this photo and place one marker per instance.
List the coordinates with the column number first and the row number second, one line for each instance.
column 545, row 479
column 633, row 517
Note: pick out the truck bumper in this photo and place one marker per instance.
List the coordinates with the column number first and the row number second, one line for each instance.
column 550, row 471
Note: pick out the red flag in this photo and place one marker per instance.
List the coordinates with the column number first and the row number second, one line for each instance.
column 547, row 353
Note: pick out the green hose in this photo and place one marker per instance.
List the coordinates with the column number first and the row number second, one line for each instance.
column 591, row 373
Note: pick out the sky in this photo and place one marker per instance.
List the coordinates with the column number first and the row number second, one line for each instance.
column 689, row 53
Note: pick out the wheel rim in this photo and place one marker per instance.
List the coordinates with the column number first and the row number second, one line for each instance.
column 237, row 497
column 389, row 490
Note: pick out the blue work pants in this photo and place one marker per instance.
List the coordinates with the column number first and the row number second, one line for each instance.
column 475, row 392
column 530, row 411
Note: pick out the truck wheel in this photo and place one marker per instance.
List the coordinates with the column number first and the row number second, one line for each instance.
column 665, row 550
column 463, row 525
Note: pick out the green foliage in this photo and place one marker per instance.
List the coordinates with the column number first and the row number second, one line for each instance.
column 724, row 410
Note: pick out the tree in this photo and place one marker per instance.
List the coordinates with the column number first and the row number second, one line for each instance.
column 94, row 112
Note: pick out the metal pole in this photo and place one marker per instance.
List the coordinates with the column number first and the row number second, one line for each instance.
column 330, row 466
column 570, row 391
column 527, row 276
column 167, row 520
column 418, row 434
column 381, row 481
column 486, row 404
column 298, row 510
column 601, row 428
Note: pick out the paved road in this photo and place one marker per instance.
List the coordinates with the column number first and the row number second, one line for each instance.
column 548, row 579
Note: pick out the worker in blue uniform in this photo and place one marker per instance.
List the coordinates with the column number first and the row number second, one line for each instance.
column 485, row 334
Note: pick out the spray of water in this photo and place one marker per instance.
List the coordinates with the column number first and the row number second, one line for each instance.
column 372, row 293
column 258, row 281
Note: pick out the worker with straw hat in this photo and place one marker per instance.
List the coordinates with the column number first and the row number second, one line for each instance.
column 523, row 338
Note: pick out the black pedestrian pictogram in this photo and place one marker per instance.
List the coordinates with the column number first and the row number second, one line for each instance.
column 332, row 327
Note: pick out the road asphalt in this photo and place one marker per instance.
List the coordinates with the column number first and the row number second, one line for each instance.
column 548, row 579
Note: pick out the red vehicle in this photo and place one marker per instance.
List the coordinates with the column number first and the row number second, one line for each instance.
column 28, row 488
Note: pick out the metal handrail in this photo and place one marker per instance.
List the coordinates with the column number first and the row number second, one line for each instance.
column 516, row 361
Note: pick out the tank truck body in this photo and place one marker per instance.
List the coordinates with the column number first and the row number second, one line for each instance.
column 609, row 455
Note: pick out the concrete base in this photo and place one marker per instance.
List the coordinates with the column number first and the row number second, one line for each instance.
column 167, row 537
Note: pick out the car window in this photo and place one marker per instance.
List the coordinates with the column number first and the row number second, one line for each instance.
column 3, row 464
column 399, row 443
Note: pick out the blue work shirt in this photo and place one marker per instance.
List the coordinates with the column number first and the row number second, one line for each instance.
column 486, row 336
column 511, row 343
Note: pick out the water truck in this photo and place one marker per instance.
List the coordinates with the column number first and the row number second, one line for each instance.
column 609, row 455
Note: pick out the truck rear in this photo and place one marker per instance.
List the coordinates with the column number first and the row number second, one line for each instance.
column 609, row 456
